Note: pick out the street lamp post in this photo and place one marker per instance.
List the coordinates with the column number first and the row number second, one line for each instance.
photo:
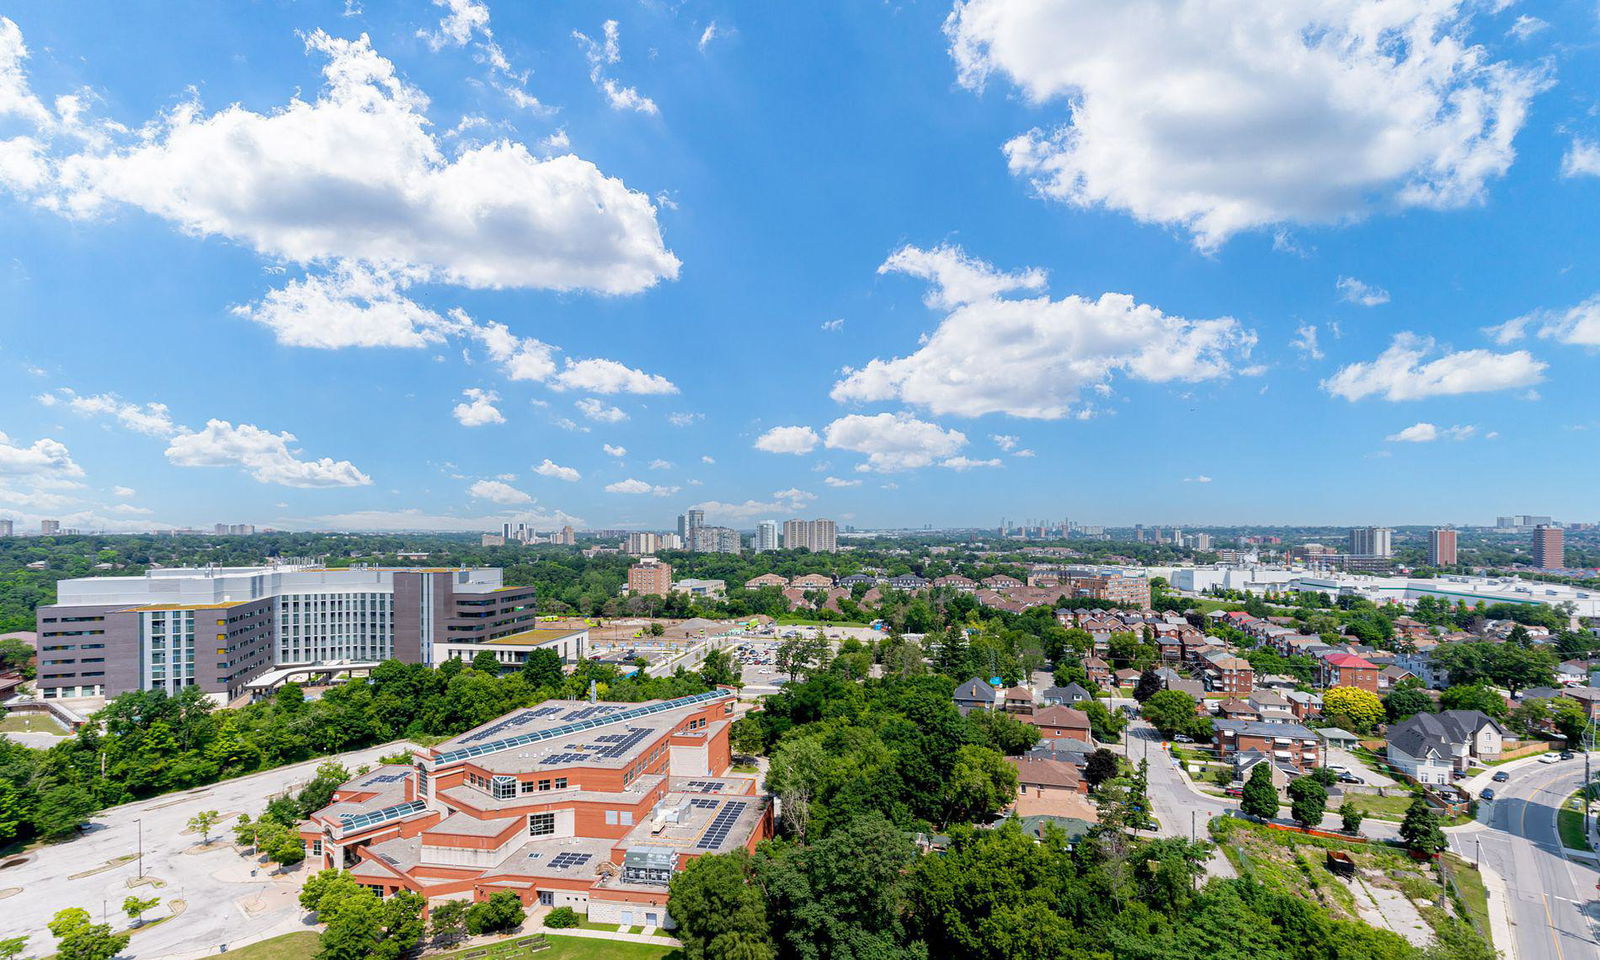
column 140, row 825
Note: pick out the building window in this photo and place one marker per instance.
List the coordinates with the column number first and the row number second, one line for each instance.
column 505, row 788
column 541, row 824
column 611, row 818
column 544, row 784
column 561, row 783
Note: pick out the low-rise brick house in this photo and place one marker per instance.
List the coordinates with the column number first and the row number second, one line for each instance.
column 1348, row 670
column 1272, row 706
column 1040, row 775
column 1068, row 696
column 766, row 580
column 1236, row 709
column 1061, row 723
column 1098, row 670
column 1228, row 673
column 975, row 694
column 1286, row 743
column 1017, row 700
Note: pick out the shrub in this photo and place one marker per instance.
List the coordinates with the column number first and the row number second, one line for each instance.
column 561, row 918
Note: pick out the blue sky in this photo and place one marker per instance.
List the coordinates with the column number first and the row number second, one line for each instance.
column 890, row 263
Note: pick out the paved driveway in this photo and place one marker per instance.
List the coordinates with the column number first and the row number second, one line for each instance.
column 225, row 904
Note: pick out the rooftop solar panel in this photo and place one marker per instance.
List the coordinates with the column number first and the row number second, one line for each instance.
column 721, row 825
column 619, row 715
column 387, row 778
column 704, row 803
column 562, row 861
column 621, row 747
column 704, row 786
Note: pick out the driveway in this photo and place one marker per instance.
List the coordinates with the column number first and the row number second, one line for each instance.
column 1339, row 756
column 224, row 902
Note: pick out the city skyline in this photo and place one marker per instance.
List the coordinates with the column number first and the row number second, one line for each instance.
column 746, row 290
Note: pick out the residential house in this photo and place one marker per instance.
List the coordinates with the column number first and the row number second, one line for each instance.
column 1389, row 677
column 1070, row 695
column 1098, row 670
column 957, row 582
column 1286, row 743
column 1271, row 706
column 1001, row 582
column 1017, row 700
column 861, row 578
column 1305, row 706
column 1433, row 747
column 908, row 582
column 1419, row 663
column 1061, row 723
column 1236, row 709
column 812, row 581
column 1228, row 673
column 1347, row 670
column 766, row 580
column 975, row 694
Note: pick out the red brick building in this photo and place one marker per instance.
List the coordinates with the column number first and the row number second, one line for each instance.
column 1348, row 670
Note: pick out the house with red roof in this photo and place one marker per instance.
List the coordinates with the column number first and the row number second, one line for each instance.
column 1348, row 670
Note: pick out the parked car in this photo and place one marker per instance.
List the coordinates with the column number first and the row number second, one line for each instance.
column 1180, row 738
column 1345, row 776
column 1501, row 777
column 1549, row 758
column 1566, row 754
column 1487, row 794
column 1234, row 791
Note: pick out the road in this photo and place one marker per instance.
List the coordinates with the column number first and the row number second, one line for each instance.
column 225, row 904
column 1551, row 899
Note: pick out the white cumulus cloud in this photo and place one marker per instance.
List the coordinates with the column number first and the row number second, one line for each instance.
column 1362, row 294
column 1424, row 432
column 788, row 440
column 840, row 482
column 1220, row 116
column 599, row 411
column 893, row 441
column 1034, row 358
column 609, row 376
column 1405, row 371
column 1582, row 159
column 1577, row 325
column 614, row 451
column 478, row 409
column 632, row 486
column 554, row 470
column 967, row 463
column 497, row 491
column 266, row 456
column 604, row 54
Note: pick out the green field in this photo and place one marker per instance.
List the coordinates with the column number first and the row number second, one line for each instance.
column 302, row 945
column 1381, row 808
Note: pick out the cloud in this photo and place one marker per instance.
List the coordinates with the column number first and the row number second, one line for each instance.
column 462, row 19
column 130, row 509
column 265, row 455
column 631, row 486
column 151, row 419
column 833, row 325
column 1424, row 432
column 1403, row 372
column 356, row 176
column 967, row 463
column 1354, row 291
column 413, row 519
column 44, row 459
column 710, row 33
column 558, row 472
column 659, row 464
column 478, row 410
column 614, row 451
column 893, row 441
column 123, row 491
column 497, row 491
column 1582, row 159
column 788, row 440
column 684, row 419
column 1305, row 341
column 1219, row 116
column 1023, row 453
column 784, row 501
column 955, row 278
column 607, row 53
column 1526, row 26
column 708, row 459
column 1005, row 441
column 1034, row 358
column 837, row 482
column 1577, row 325
column 353, row 305
column 609, row 376
column 600, row 411
column 1202, row 478
column 794, row 495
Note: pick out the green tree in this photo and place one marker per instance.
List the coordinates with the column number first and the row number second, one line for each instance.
column 202, row 823
column 1308, row 801
column 1475, row 697
column 720, row 914
column 11, row 947
column 1260, row 797
column 1148, row 686
column 1361, row 708
column 1350, row 817
column 502, row 911
column 1174, row 713
column 1105, row 724
column 135, row 908
column 542, row 669
column 1420, row 830
column 79, row 938
column 717, row 669
column 1405, row 702
column 447, row 922
column 1001, row 731
column 485, row 661
column 1101, row 766
column 980, row 783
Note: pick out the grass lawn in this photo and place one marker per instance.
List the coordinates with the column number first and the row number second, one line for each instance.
column 1474, row 896
column 1381, row 808
column 1569, row 823
column 25, row 723
column 302, row 945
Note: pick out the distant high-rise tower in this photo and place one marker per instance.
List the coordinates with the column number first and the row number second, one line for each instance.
column 6, row 528
column 1371, row 542
column 1442, row 548
column 818, row 536
column 766, row 536
column 1549, row 548
column 688, row 522
column 49, row 528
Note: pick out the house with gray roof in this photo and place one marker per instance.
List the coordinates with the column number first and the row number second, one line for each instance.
column 975, row 694
column 1433, row 747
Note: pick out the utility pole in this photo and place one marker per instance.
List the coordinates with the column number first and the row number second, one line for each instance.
column 140, row 825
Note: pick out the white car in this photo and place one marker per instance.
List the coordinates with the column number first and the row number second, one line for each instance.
column 1549, row 758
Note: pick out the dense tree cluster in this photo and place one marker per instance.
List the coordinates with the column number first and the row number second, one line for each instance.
column 148, row 743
